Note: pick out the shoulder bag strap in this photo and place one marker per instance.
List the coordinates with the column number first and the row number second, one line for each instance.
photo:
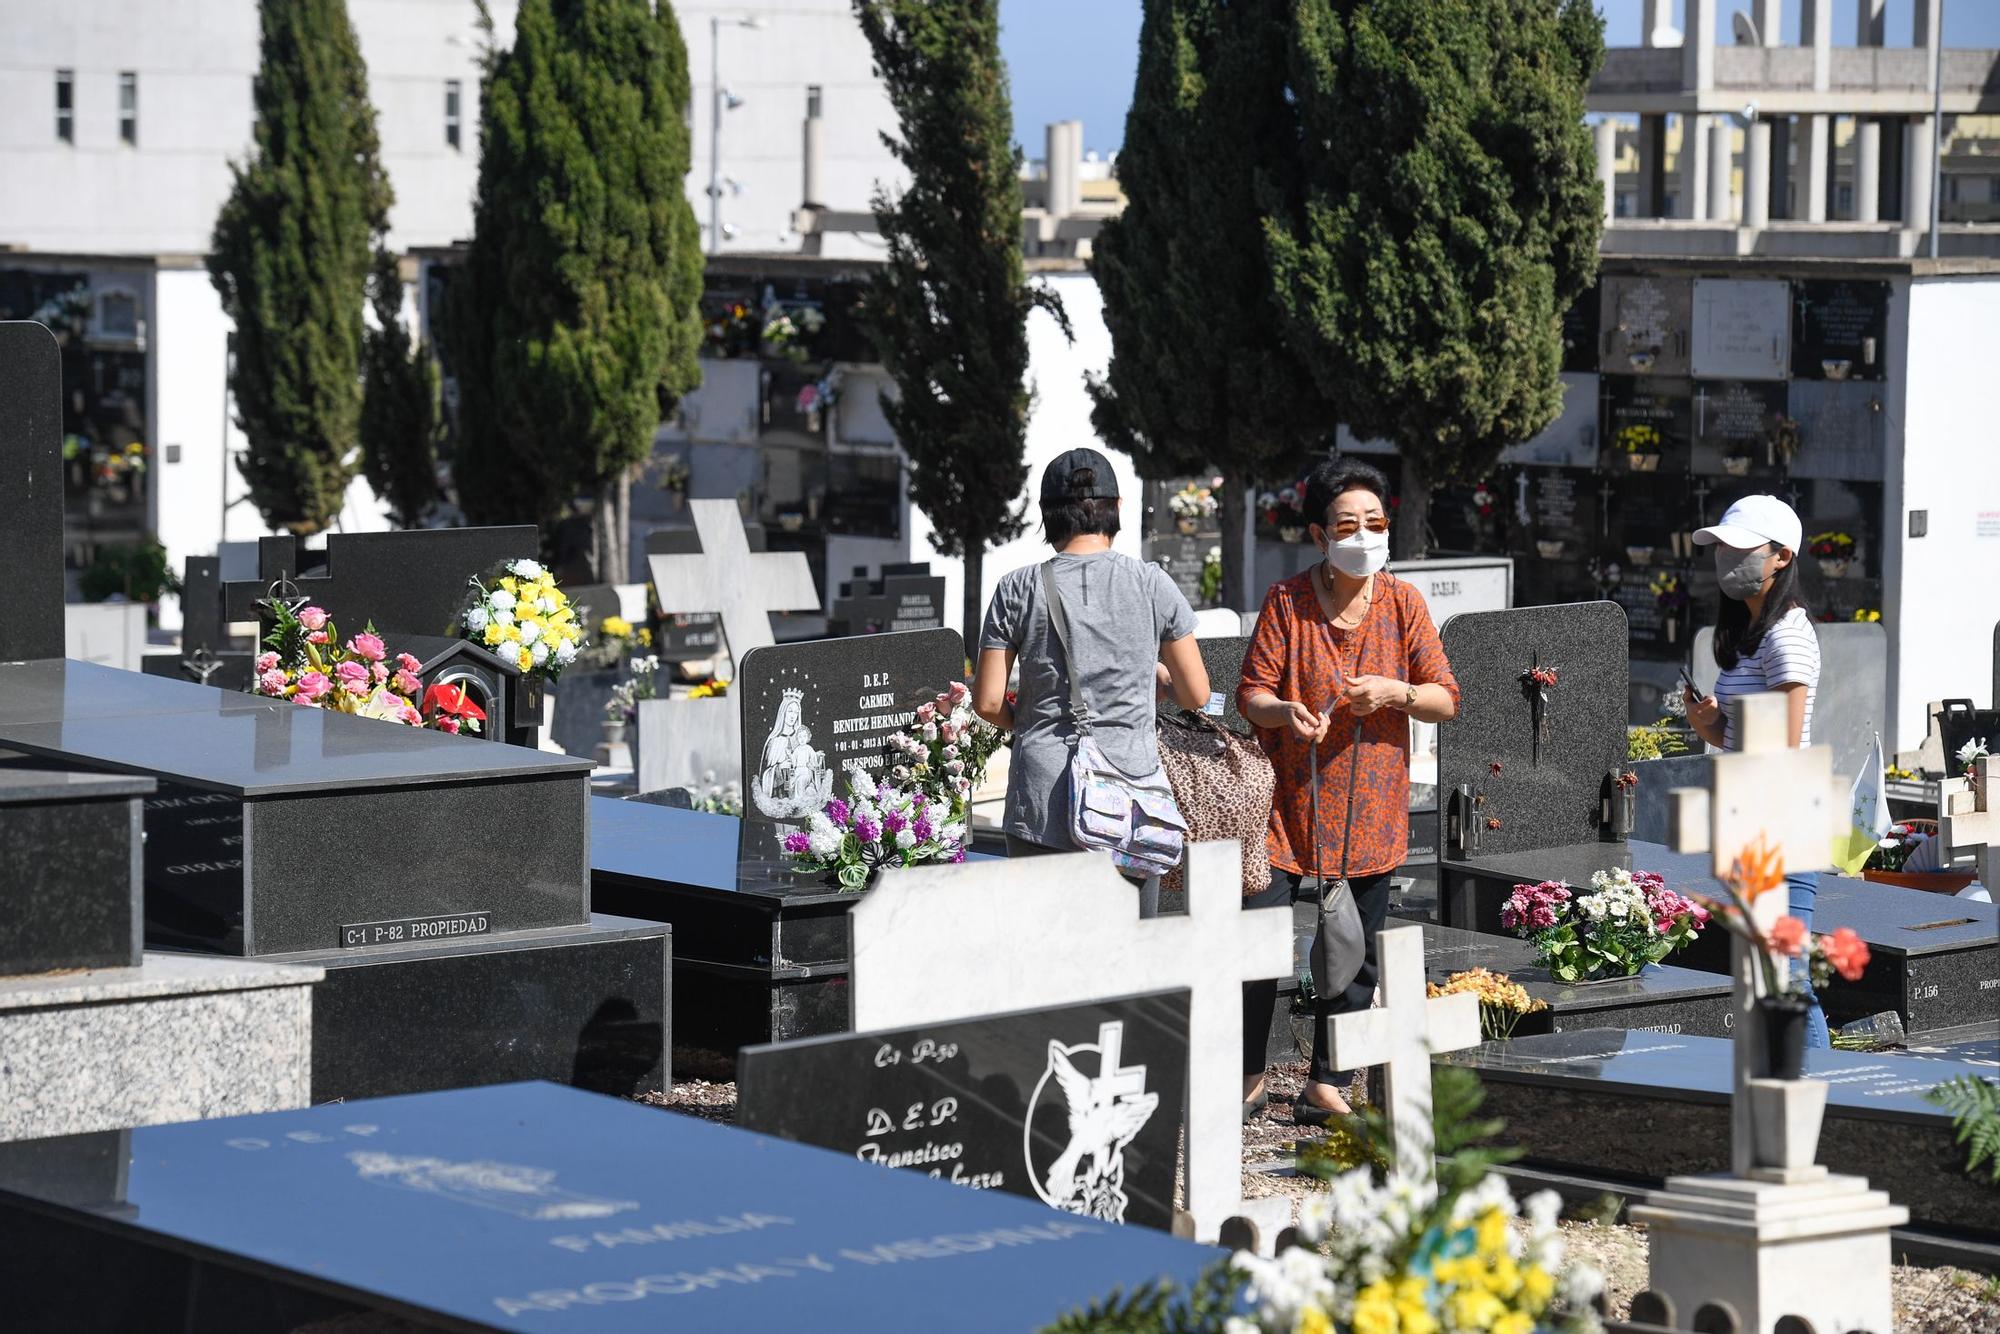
column 1079, row 708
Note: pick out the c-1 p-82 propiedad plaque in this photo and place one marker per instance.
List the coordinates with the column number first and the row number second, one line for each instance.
column 416, row 930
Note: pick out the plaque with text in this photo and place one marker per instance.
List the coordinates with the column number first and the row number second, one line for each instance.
column 1840, row 329
column 1570, row 441
column 684, row 637
column 1742, row 328
column 1653, row 415
column 1646, row 321
column 1078, row 1106
column 1734, row 425
column 906, row 597
column 1841, row 430
column 813, row 710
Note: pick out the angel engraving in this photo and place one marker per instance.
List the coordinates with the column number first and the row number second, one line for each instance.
column 1105, row 1113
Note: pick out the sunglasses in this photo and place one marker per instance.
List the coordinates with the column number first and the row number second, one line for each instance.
column 1348, row 526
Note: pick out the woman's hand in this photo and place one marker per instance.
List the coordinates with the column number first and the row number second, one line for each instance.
column 1366, row 693
column 1705, row 716
column 1304, row 723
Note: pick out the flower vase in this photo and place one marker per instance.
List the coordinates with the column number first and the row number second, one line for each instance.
column 1617, row 811
column 1673, row 629
column 1549, row 548
column 1640, row 556
column 1784, row 1021
column 1187, row 525
column 614, row 731
column 1643, row 462
column 1289, row 533
column 1833, row 567
column 1737, row 466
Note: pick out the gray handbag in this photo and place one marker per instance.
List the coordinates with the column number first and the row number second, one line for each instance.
column 1339, row 946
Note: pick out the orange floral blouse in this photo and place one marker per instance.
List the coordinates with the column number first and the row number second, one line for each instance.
column 1298, row 654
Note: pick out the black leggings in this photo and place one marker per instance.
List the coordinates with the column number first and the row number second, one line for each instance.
column 1371, row 896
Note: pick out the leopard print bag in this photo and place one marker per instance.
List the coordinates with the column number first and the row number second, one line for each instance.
column 1223, row 784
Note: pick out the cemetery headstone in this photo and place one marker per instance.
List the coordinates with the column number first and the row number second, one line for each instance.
column 1522, row 765
column 414, row 581
column 905, row 597
column 1742, row 328
column 1181, row 556
column 1842, row 430
column 1665, row 998
column 208, row 654
column 31, row 540
column 1839, row 329
column 1852, row 698
column 1634, row 404
column 1645, row 324
column 1223, row 657
column 1734, row 421
column 1077, row 1106
column 811, row 711
column 934, row 944
column 724, row 578
column 537, row 1208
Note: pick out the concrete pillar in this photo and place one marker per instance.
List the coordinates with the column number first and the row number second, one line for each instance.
column 1657, row 14
column 1606, row 134
column 813, row 186
column 1065, row 156
column 1920, row 141
column 1652, row 147
column 1721, row 164
column 1925, row 23
column 1871, row 22
column 1693, row 201
column 1815, row 166
column 1816, row 31
column 1867, row 170
column 1770, row 19
column 1757, row 174
column 1698, row 47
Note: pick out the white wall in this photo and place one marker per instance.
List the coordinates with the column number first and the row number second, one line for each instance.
column 1061, row 421
column 1941, row 595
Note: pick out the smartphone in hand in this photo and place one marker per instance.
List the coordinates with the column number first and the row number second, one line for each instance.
column 1687, row 682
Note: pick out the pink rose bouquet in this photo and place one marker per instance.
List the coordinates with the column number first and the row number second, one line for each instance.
column 307, row 663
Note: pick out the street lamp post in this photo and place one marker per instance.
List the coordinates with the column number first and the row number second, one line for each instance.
column 720, row 101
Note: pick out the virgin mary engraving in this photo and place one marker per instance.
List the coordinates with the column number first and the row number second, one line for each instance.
column 792, row 778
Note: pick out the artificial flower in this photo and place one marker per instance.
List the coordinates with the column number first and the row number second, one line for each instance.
column 1788, row 936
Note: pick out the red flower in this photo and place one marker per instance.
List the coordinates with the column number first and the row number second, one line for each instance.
column 1846, row 951
column 1495, row 767
column 1788, row 936
column 452, row 702
column 1492, row 822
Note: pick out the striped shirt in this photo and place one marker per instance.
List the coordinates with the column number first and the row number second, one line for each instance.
column 1787, row 655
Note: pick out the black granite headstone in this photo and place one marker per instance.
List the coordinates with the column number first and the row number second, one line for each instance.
column 208, row 654
column 69, row 864
column 1840, row 329
column 1734, row 420
column 906, row 597
column 1077, row 1106
column 1533, row 767
column 1646, row 319
column 1181, row 556
column 542, row 1209
column 31, row 482
column 412, row 582
column 1634, row 403
column 813, row 710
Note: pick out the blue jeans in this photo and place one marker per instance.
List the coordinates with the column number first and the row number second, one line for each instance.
column 1804, row 887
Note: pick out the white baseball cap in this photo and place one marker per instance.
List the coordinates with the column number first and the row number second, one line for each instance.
column 1753, row 521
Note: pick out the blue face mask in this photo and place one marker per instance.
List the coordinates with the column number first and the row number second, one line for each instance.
column 1740, row 572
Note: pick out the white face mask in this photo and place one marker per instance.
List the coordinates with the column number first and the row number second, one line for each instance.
column 1360, row 555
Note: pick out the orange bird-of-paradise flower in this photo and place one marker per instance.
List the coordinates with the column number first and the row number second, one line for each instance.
column 1758, row 869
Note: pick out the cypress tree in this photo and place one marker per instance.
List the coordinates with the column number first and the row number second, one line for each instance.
column 290, row 257
column 574, row 322
column 399, row 404
column 948, row 313
column 1200, row 377
column 1450, row 216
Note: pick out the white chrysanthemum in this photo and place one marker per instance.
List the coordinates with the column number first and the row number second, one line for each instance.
column 547, row 604
column 503, row 618
column 565, row 652
column 1315, row 1218
column 527, row 569
column 501, row 600
column 1543, row 1208
column 1581, row 1283
column 953, row 833
column 530, row 632
column 540, row 653
column 475, row 619
column 906, row 838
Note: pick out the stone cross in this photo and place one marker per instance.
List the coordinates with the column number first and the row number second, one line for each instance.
column 31, row 483
column 1970, row 817
column 939, row 943
column 727, row 579
column 1402, row 1035
column 1790, row 799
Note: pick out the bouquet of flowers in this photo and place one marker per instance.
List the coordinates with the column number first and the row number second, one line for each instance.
column 623, row 706
column 306, row 662
column 1211, row 576
column 1969, row 755
column 1867, row 615
column 1668, row 593
column 1894, row 848
column 1192, row 502
column 1503, row 1002
column 1395, row 1263
column 943, row 753
column 1630, row 919
column 1830, row 546
column 615, row 637
column 526, row 619
column 1639, row 438
column 713, row 688
column 1756, row 871
column 876, row 825
column 1284, row 507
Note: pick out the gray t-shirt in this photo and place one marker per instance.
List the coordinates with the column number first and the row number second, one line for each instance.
column 1120, row 612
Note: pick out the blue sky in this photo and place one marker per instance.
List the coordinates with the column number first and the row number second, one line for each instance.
column 1073, row 59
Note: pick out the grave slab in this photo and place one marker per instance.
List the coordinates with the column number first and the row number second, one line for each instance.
column 31, row 541
column 1076, row 1106
column 413, row 581
column 1839, row 329
column 69, row 870
column 529, row 1207
column 1638, row 1108
column 1662, row 999
column 1645, row 324
column 177, row 1038
column 1742, row 328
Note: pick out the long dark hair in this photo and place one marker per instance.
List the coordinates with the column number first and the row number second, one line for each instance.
column 1736, row 635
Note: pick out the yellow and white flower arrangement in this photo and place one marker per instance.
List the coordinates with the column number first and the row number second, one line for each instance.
column 525, row 619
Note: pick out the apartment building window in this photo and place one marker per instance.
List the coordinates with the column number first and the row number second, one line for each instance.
column 1843, row 201
column 66, row 105
column 128, row 107
column 451, row 118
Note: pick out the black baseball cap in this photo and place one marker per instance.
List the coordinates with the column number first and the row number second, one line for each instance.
column 1060, row 480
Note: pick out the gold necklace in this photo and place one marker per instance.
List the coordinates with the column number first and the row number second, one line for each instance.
column 1367, row 600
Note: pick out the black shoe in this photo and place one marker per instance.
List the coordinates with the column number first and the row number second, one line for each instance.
column 1312, row 1114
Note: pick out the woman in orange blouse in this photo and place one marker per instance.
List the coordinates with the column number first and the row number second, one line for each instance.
column 1345, row 655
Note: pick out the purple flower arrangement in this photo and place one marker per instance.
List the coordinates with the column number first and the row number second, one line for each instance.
column 876, row 825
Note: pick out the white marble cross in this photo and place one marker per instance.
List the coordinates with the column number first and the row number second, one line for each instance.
column 728, row 579
column 1969, row 817
column 940, row 943
column 1402, row 1034
column 1787, row 797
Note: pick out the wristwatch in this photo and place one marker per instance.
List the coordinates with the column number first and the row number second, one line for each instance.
column 1410, row 699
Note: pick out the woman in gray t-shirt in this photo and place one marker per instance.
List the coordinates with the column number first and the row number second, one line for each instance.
column 1131, row 632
